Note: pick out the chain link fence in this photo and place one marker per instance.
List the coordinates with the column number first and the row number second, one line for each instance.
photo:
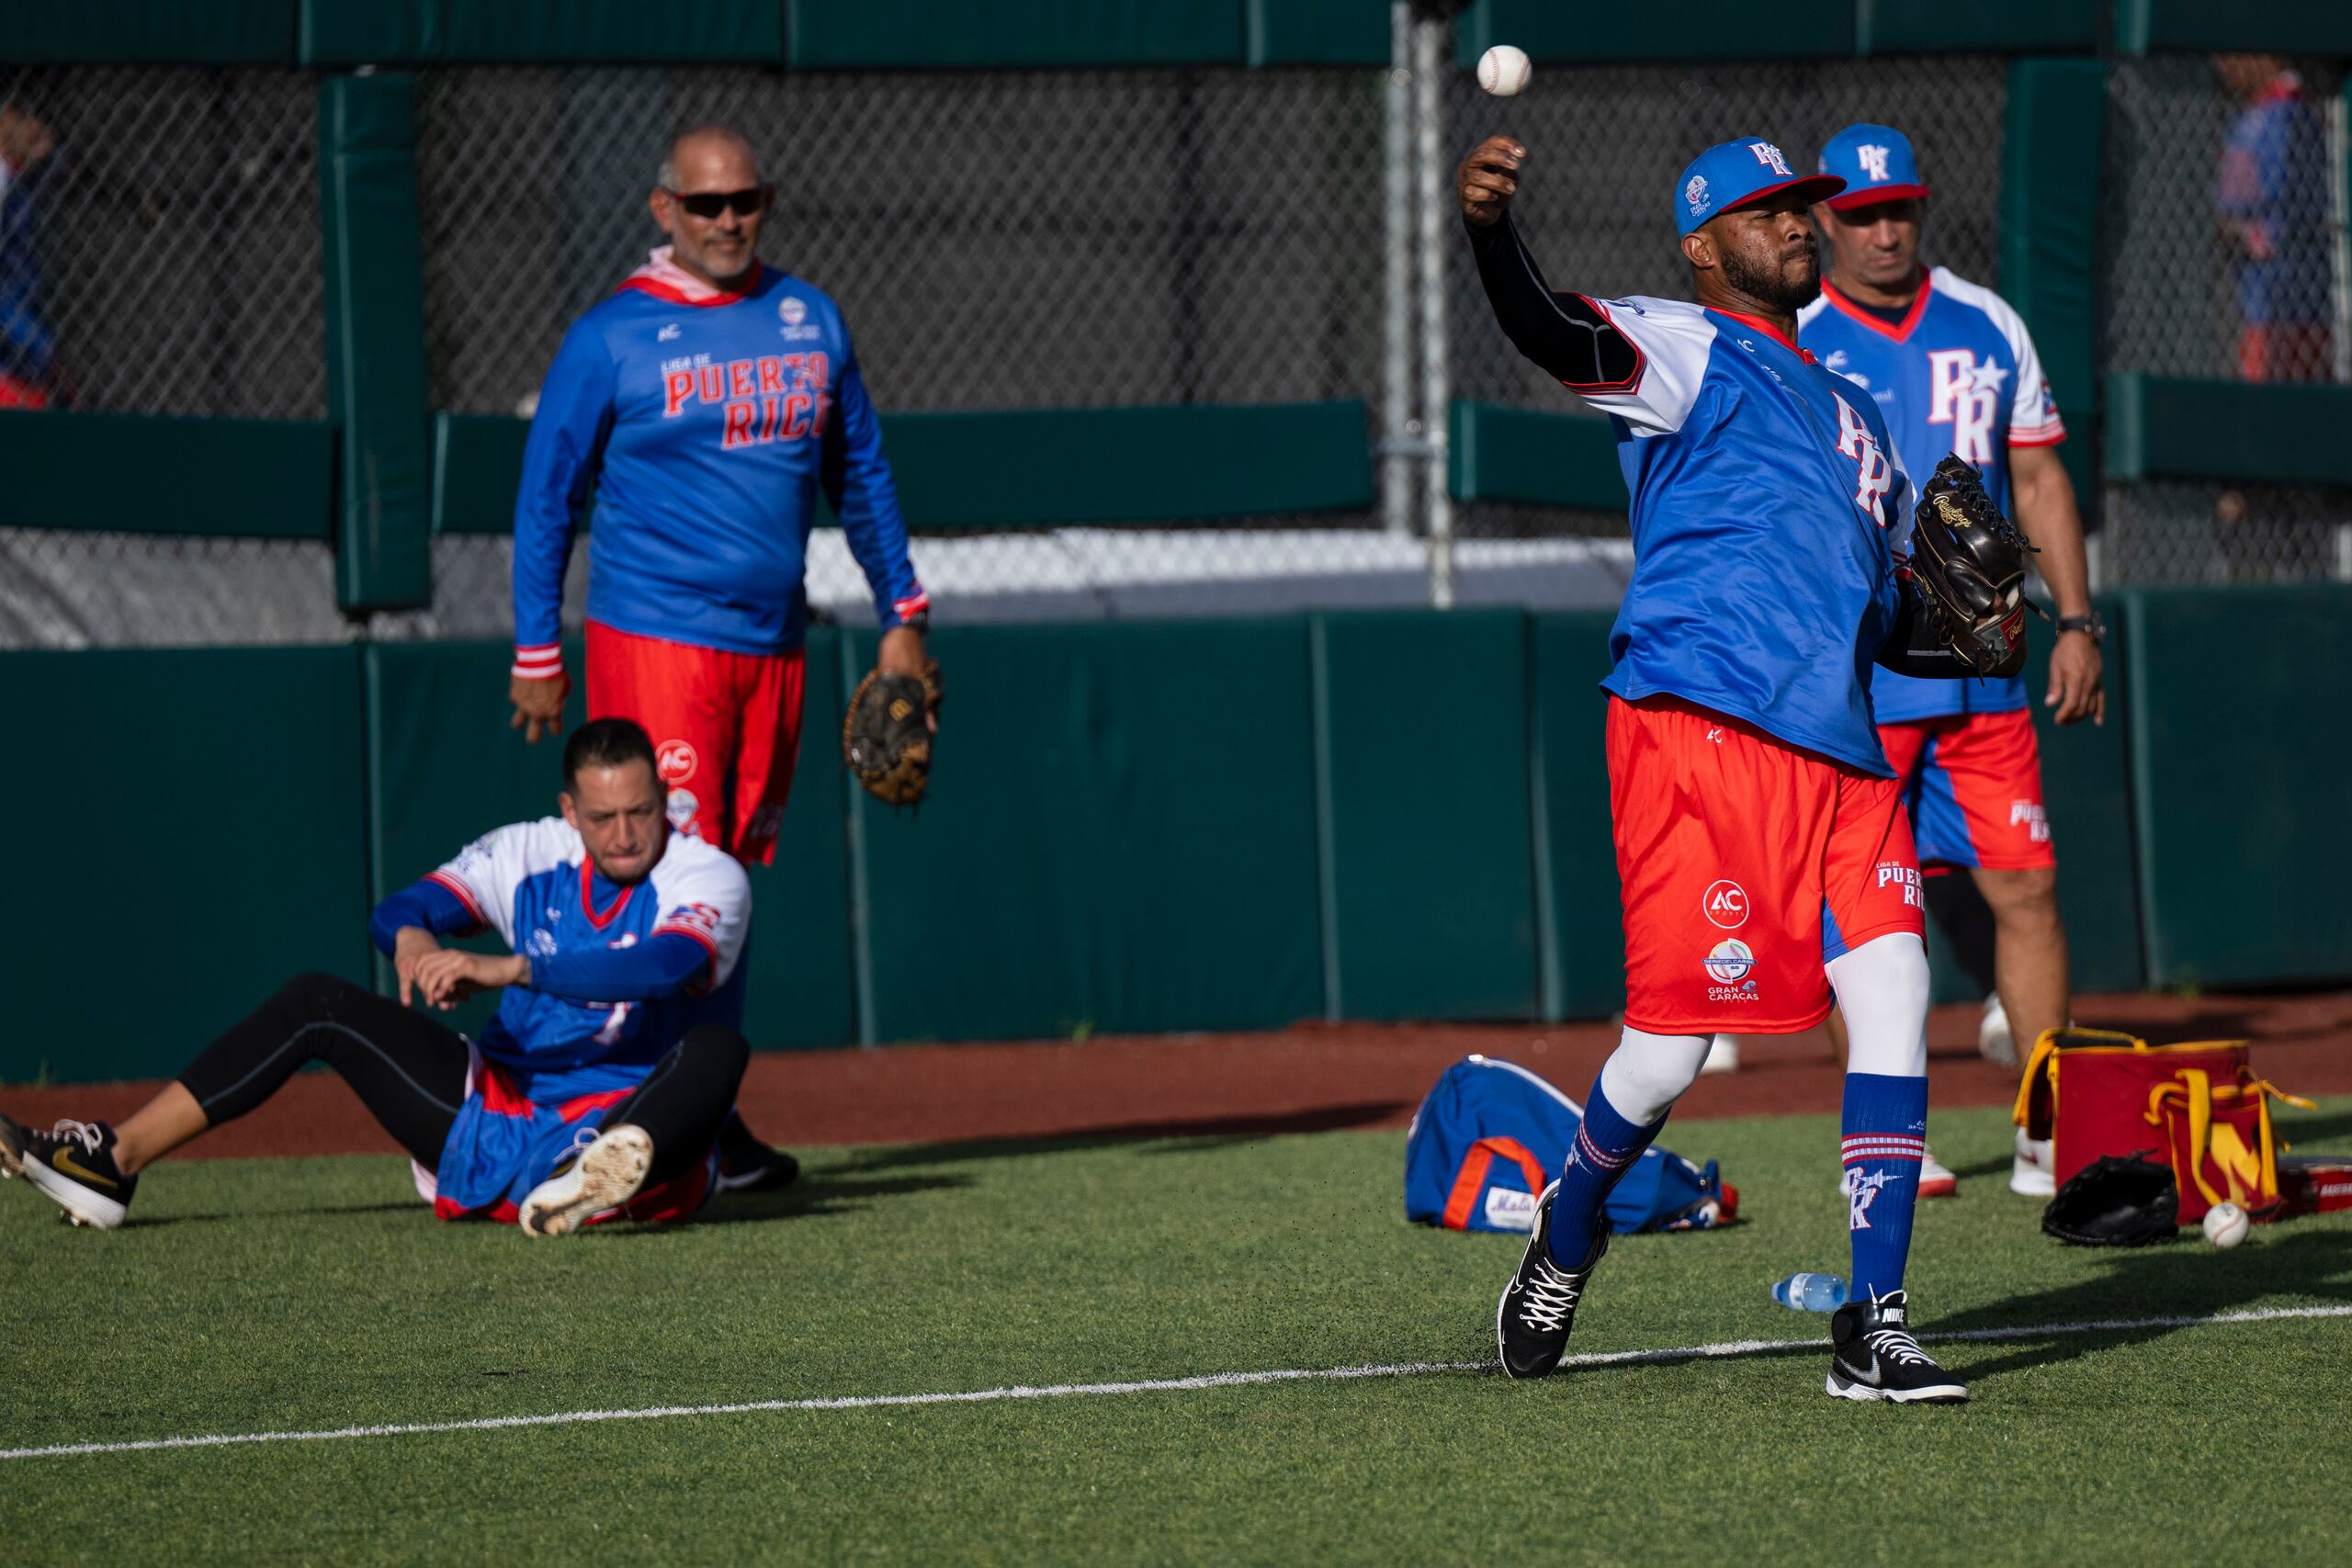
column 2224, row 258
column 1062, row 239
column 160, row 255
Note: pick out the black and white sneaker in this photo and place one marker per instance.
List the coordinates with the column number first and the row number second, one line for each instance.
column 74, row 1163
column 747, row 1165
column 1876, row 1356
column 1538, row 1305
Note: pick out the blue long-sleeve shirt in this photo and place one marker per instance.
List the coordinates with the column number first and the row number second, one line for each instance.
column 25, row 348
column 703, row 423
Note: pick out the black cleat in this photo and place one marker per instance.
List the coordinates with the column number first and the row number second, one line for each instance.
column 1876, row 1356
column 747, row 1165
column 1538, row 1305
column 74, row 1163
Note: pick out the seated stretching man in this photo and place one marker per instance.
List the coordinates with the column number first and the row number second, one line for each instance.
column 596, row 1092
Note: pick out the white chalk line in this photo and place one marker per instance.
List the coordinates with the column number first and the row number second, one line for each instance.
column 1722, row 1350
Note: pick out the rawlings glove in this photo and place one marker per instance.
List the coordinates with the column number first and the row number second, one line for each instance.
column 2116, row 1200
column 1968, row 568
column 885, row 734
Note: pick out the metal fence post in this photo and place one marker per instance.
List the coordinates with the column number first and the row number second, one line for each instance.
column 1399, row 432
column 1433, row 46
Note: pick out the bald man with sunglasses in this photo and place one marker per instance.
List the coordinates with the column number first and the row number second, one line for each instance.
column 702, row 406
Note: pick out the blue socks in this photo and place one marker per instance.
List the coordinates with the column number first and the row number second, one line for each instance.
column 1886, row 1137
column 1606, row 1147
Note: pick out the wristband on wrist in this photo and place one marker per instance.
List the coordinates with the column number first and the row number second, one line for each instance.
column 2090, row 623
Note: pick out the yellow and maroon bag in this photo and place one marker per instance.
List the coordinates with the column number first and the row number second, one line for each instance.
column 2199, row 1106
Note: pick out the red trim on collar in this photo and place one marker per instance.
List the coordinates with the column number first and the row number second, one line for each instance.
column 1769, row 330
column 1860, row 317
column 588, row 904
column 673, row 294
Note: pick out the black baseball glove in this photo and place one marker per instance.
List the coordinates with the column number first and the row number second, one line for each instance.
column 2117, row 1200
column 1968, row 567
column 885, row 734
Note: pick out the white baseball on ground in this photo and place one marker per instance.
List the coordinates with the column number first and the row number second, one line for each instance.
column 1504, row 70
column 2226, row 1224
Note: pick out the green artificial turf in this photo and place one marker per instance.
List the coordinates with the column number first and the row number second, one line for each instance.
column 286, row 1295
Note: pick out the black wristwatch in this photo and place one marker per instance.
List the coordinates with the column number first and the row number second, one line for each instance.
column 2085, row 623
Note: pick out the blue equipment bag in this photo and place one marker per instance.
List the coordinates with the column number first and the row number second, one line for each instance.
column 1491, row 1135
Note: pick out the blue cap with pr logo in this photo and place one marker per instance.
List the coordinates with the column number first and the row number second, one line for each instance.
column 1735, row 173
column 1876, row 163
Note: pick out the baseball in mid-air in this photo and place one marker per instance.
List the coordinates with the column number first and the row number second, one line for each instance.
column 1504, row 70
column 2226, row 1224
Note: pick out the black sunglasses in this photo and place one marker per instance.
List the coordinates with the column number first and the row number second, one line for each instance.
column 708, row 204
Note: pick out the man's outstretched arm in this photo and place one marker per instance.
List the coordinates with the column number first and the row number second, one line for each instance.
column 1570, row 337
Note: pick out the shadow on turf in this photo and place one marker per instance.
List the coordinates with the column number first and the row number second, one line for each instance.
column 403, row 1206
column 810, row 1197
column 1166, row 1137
column 2186, row 1278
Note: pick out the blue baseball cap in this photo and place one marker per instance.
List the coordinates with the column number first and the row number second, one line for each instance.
column 1876, row 163
column 1735, row 173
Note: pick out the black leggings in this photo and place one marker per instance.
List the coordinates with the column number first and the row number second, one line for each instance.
column 409, row 1071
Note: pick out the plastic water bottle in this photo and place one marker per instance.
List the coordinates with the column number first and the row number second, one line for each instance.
column 1811, row 1293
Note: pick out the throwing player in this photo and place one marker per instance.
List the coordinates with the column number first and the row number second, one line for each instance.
column 1953, row 369
column 1765, row 857
column 705, row 404
column 596, row 1092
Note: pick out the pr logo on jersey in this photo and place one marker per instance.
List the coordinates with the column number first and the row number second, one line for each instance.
column 1873, row 475
column 675, row 761
column 700, row 918
column 1695, row 193
column 1895, row 874
column 1725, row 905
column 1966, row 396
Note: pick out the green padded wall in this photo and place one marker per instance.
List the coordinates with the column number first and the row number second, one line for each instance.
column 2008, row 27
column 373, row 257
column 173, row 32
column 341, row 32
column 168, row 475
column 2052, row 137
column 1422, row 718
column 212, row 811
column 1583, row 955
column 2289, row 26
column 2240, row 763
column 1120, row 836
column 830, row 35
column 1584, row 31
column 2174, row 427
column 448, row 769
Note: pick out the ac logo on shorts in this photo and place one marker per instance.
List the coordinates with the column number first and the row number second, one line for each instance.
column 1725, row 904
column 675, row 761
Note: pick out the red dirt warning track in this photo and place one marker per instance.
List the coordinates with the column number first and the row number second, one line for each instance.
column 1311, row 1078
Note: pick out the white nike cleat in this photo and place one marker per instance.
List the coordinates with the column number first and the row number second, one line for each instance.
column 2033, row 1169
column 606, row 1175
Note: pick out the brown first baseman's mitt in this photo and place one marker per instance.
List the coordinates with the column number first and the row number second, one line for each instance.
column 885, row 734
column 1968, row 562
